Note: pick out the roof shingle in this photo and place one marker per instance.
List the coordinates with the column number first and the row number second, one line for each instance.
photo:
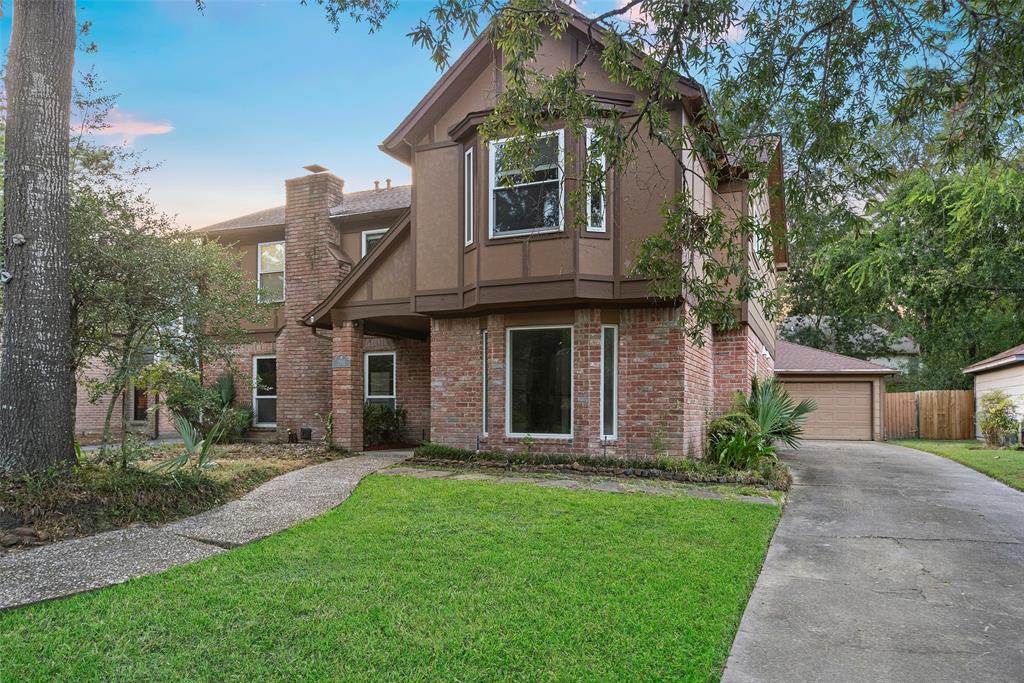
column 795, row 358
column 371, row 201
column 1010, row 356
column 258, row 219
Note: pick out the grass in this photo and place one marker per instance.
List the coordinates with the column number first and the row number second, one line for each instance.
column 94, row 497
column 1005, row 465
column 417, row 580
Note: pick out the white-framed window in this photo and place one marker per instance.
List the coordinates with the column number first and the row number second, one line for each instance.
column 270, row 269
column 467, row 191
column 483, row 381
column 379, row 377
column 371, row 238
column 538, row 386
column 598, row 221
column 264, row 391
column 609, row 381
column 527, row 205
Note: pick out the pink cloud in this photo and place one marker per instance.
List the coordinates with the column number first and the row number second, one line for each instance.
column 128, row 127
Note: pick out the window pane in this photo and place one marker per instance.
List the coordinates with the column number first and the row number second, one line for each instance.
column 266, row 377
column 468, row 192
column 545, row 161
column 272, row 258
column 381, row 371
column 541, row 381
column 272, row 285
column 389, row 402
column 266, row 410
column 528, row 207
column 140, row 404
column 372, row 240
column 610, row 358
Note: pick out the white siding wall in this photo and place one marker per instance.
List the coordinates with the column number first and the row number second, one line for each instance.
column 1010, row 380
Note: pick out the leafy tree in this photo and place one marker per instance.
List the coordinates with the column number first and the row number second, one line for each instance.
column 945, row 251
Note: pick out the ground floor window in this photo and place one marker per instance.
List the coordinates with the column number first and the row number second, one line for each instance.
column 539, row 386
column 140, row 404
column 379, row 378
column 609, row 381
column 483, row 381
column 264, row 391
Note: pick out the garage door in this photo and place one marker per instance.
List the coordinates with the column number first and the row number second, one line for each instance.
column 844, row 409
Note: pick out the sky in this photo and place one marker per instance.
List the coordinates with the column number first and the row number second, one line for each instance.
column 232, row 101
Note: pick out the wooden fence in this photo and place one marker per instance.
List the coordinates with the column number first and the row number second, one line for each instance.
column 944, row 415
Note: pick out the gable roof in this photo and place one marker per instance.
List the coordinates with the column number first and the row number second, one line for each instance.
column 478, row 56
column 1010, row 356
column 258, row 219
column 396, row 231
column 372, row 201
column 798, row 359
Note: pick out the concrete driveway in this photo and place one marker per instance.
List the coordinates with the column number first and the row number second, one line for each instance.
column 889, row 564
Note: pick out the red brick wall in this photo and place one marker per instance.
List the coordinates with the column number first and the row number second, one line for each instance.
column 661, row 408
column 412, row 381
column 738, row 357
column 304, row 358
column 89, row 416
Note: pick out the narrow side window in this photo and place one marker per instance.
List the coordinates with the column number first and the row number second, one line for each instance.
column 595, row 198
column 609, row 381
column 467, row 190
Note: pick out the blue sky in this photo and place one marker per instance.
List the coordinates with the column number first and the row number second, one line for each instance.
column 233, row 101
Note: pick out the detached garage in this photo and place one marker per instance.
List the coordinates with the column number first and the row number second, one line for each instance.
column 849, row 392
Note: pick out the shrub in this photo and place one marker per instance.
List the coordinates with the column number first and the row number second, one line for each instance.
column 778, row 418
column 205, row 407
column 998, row 417
column 383, row 424
column 728, row 425
column 743, row 451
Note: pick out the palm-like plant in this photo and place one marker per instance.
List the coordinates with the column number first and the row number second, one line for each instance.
column 773, row 409
column 195, row 446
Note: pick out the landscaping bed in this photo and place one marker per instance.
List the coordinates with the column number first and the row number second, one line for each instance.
column 771, row 475
column 93, row 498
column 423, row 579
column 1003, row 464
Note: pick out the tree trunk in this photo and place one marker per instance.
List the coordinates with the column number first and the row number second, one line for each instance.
column 36, row 431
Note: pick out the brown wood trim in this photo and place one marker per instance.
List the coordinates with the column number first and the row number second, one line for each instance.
column 362, row 312
column 435, row 145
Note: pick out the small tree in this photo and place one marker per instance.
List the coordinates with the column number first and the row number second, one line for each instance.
column 998, row 417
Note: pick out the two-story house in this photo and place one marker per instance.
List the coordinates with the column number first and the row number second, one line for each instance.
column 478, row 305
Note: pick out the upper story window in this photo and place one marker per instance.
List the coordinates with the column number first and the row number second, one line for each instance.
column 371, row 238
column 595, row 200
column 467, row 191
column 522, row 205
column 270, row 267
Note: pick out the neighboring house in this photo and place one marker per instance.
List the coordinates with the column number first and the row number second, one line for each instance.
column 1003, row 371
column 494, row 326
column 899, row 353
column 849, row 392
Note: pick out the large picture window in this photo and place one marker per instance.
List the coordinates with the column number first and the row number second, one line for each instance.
column 609, row 381
column 379, row 378
column 526, row 204
column 270, row 267
column 539, row 387
column 264, row 391
column 595, row 198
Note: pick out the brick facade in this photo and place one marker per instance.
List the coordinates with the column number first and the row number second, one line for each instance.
column 738, row 357
column 311, row 272
column 665, row 388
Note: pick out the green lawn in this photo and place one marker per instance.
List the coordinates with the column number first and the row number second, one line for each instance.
column 1005, row 465
column 416, row 579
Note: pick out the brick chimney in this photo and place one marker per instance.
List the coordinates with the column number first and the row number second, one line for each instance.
column 311, row 272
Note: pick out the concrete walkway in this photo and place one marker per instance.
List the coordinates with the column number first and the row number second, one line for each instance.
column 889, row 564
column 84, row 564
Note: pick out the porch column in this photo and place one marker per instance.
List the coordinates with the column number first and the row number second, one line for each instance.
column 347, row 384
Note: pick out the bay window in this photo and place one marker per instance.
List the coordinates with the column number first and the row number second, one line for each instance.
column 539, row 392
column 270, row 269
column 467, row 191
column 595, row 198
column 531, row 203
